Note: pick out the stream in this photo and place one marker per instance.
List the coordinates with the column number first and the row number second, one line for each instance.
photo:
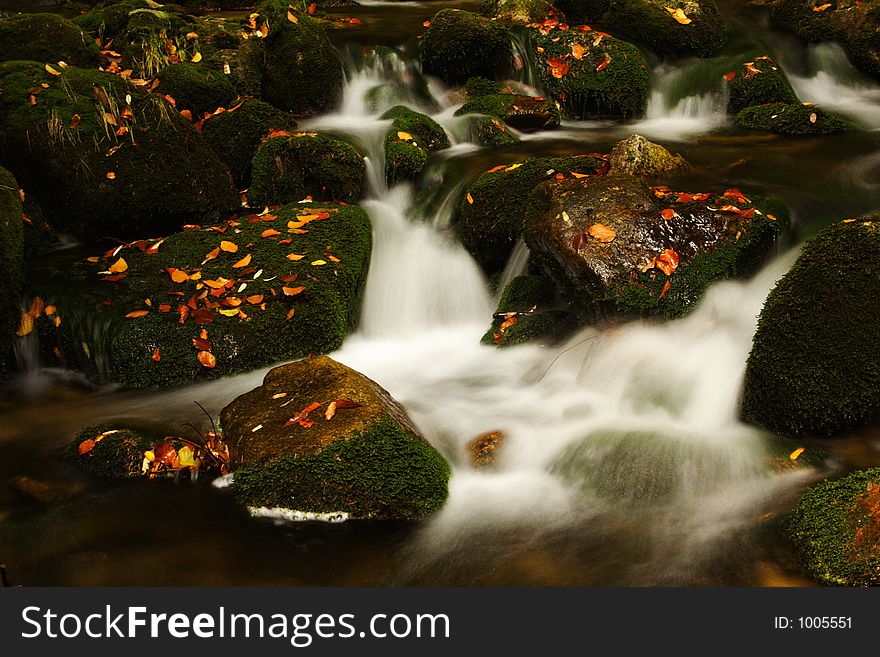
column 656, row 399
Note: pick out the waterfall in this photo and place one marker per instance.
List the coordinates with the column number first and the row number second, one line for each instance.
column 516, row 266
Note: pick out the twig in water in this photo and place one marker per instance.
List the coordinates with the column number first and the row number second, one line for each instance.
column 213, row 426
column 564, row 351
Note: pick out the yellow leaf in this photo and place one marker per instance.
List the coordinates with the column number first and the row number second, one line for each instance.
column 405, row 136
column 118, row 266
column 229, row 312
column 470, row 199
column 292, row 17
column 150, row 455
column 678, row 15
column 187, row 459
column 318, row 263
column 513, row 166
column 27, row 325
column 796, row 453
column 197, row 58
column 52, row 71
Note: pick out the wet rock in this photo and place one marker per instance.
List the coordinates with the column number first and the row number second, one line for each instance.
column 636, row 156
column 280, row 286
column 490, row 225
column 412, row 137
column 47, row 493
column 459, row 45
column 653, row 25
column 11, row 241
column 195, row 88
column 791, row 119
column 365, row 458
column 516, row 11
column 91, row 180
column 523, row 113
column 236, row 136
column 836, row 526
column 578, row 12
column 758, row 82
column 609, row 79
column 287, row 168
column 114, row 452
column 46, row 38
column 813, row 364
column 482, row 450
column 613, row 245
column 528, row 311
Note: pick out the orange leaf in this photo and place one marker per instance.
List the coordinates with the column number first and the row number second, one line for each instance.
column 678, row 15
column 244, row 262
column 292, row 291
column 255, row 299
column 294, row 256
column 601, row 233
column 156, row 355
column 290, row 314
column 668, row 214
column 137, row 313
column 229, row 247
column 312, row 7
column 110, row 175
column 206, row 358
column 470, row 199
column 558, row 67
column 730, row 76
column 270, row 232
column 178, row 275
column 202, row 344
column 118, row 267
column 86, row 446
column 824, row 7
column 665, row 289
column 264, row 30
column 577, row 50
column 667, row 262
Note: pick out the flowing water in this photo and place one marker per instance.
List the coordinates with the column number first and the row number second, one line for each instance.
column 624, row 462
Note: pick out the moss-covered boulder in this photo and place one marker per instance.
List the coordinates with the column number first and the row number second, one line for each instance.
column 836, row 526
column 194, row 88
column 11, row 241
column 113, row 452
column 591, row 76
column 152, row 40
column 524, row 113
column 578, row 12
column 757, row 82
column 615, row 246
column 318, row 436
column 636, row 156
column 209, row 302
column 46, row 38
column 236, row 135
column 103, row 157
column 459, row 45
column 680, row 28
column 791, row 119
column 489, row 131
column 815, row 360
column 412, row 137
column 287, row 168
column 528, row 311
column 110, row 19
column 241, row 66
column 516, row 11
column 491, row 216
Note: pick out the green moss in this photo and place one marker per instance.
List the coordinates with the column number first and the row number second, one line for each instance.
column 523, row 294
column 47, row 38
column 769, row 86
column 380, row 472
column 516, row 11
column 813, row 367
column 287, row 169
column 836, row 533
column 478, row 86
column 96, row 337
column 459, row 45
column 164, row 173
column 118, row 455
column 490, row 226
column 404, row 157
column 109, row 21
column 404, row 160
column 489, row 131
column 577, row 12
column 619, row 90
column 236, row 136
column 195, row 88
column 426, row 130
column 145, row 43
column 649, row 22
column 791, row 119
column 11, row 240
column 241, row 66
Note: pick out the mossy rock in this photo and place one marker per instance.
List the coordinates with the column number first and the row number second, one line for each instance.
column 235, row 136
column 11, row 241
column 368, row 461
column 286, row 169
column 412, row 137
column 623, row 272
column 241, row 66
column 154, row 39
column 815, row 362
column 195, row 88
column 489, row 131
column 46, row 38
column 302, row 72
column 794, row 119
column 318, row 308
column 109, row 20
column 748, row 88
column 618, row 90
column 578, row 12
column 523, row 113
column 651, row 24
column 533, row 299
column 459, row 45
column 91, row 181
column 636, row 156
column 490, row 226
column 836, row 526
column 516, row 11
column 118, row 453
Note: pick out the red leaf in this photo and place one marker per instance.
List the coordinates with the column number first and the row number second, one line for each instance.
column 86, row 446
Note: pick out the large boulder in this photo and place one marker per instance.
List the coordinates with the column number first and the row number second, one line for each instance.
column 578, row 12
column 527, row 311
column 491, row 216
column 320, row 437
column 104, row 157
column 516, row 11
column 836, row 527
column 288, row 167
column 791, row 119
column 408, row 143
column 680, row 28
column 47, row 38
column 815, row 361
column 636, row 156
column 194, row 88
column 11, row 239
column 592, row 75
column 613, row 245
column 236, row 135
column 459, row 45
column 209, row 302
column 524, row 113
column 757, row 82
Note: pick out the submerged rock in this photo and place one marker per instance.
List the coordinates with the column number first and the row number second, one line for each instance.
column 613, row 245
column 814, row 359
column 209, row 302
column 43, row 492
column 636, row 156
column 483, row 449
column 523, row 113
column 412, row 137
column 791, row 119
column 103, row 157
column 46, row 38
column 836, row 526
column 11, row 256
column 459, row 45
column 528, row 311
column 287, row 168
column 697, row 30
column 320, row 437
